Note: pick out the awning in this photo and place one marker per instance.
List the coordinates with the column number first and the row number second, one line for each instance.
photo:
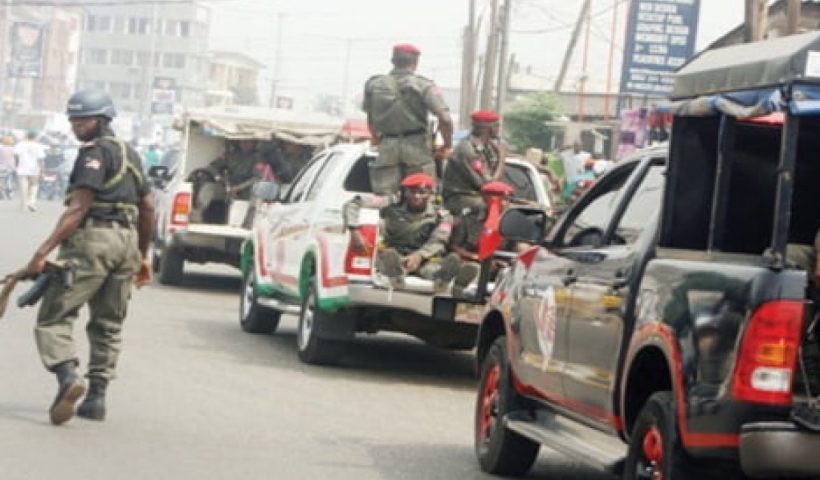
column 238, row 123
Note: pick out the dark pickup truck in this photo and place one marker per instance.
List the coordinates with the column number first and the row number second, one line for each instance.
column 660, row 329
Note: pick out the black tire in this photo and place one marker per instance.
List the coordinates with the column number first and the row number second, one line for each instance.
column 500, row 451
column 655, row 450
column 155, row 261
column 311, row 348
column 254, row 318
column 171, row 266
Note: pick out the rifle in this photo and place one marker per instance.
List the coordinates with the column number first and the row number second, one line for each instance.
column 62, row 271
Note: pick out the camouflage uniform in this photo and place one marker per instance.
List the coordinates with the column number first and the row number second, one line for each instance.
column 471, row 166
column 241, row 168
column 105, row 253
column 397, row 105
column 426, row 233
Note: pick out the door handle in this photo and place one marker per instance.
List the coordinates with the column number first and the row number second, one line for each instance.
column 621, row 279
column 570, row 277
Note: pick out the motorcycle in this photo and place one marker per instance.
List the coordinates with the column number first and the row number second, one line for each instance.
column 53, row 181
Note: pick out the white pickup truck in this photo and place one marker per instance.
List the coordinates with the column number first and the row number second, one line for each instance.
column 178, row 237
column 298, row 261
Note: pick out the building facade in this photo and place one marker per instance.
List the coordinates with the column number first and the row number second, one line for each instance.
column 233, row 79
column 151, row 57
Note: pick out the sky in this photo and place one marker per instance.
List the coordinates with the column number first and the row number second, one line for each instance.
column 332, row 47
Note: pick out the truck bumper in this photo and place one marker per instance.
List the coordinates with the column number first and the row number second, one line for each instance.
column 368, row 295
column 203, row 244
column 779, row 449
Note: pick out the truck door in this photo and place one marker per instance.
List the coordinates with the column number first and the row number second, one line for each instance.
column 286, row 222
column 546, row 295
column 601, row 295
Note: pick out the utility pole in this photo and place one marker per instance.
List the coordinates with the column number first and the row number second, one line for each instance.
column 504, row 66
column 584, row 73
column 572, row 41
column 491, row 59
column 611, row 57
column 148, row 76
column 468, row 67
column 793, row 16
column 348, row 46
column 755, row 22
column 277, row 61
column 5, row 53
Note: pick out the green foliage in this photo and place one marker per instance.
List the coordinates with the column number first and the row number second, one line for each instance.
column 524, row 121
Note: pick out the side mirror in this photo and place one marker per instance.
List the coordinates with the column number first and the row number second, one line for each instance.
column 521, row 224
column 265, row 191
column 159, row 172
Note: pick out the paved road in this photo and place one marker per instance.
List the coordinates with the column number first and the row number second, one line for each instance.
column 198, row 398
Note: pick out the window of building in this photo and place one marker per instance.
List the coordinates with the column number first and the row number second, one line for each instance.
column 139, row 26
column 184, row 29
column 171, row 27
column 120, row 25
column 143, row 59
column 173, row 60
column 122, row 57
column 97, row 56
column 120, row 90
column 98, row 23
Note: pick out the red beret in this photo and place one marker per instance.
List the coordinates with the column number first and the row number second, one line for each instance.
column 416, row 180
column 484, row 116
column 406, row 48
column 497, row 188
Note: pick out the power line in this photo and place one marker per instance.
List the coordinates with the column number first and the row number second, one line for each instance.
column 100, row 3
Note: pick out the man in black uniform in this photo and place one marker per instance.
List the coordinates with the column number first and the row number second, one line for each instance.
column 104, row 232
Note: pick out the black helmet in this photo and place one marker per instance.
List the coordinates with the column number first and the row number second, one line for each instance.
column 90, row 103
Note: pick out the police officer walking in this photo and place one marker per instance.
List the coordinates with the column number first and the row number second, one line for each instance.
column 397, row 105
column 477, row 160
column 104, row 232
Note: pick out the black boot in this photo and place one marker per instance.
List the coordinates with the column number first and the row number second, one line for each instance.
column 71, row 388
column 93, row 406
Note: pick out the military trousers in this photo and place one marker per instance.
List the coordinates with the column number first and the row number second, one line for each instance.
column 106, row 257
column 399, row 157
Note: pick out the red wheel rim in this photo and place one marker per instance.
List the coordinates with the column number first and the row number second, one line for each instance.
column 488, row 414
column 653, row 450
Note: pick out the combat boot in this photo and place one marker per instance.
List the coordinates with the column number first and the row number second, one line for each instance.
column 70, row 389
column 93, row 406
column 465, row 276
column 448, row 268
column 389, row 265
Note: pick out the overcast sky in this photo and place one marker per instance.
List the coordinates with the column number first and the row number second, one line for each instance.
column 318, row 35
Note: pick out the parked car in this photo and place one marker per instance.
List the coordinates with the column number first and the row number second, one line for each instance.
column 178, row 239
column 298, row 261
column 659, row 329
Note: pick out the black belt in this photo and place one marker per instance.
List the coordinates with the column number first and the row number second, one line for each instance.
column 104, row 223
column 408, row 133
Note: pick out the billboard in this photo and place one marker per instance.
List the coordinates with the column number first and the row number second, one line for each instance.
column 27, row 40
column 660, row 37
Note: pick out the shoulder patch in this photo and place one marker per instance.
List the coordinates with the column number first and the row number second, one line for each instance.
column 92, row 163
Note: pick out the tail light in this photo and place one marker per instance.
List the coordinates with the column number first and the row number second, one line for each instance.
column 768, row 354
column 181, row 208
column 361, row 263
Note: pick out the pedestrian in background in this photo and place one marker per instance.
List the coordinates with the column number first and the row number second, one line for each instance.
column 397, row 107
column 30, row 157
column 105, row 233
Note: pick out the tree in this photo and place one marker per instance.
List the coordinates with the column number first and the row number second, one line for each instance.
column 525, row 121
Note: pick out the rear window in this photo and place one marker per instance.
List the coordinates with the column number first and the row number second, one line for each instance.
column 517, row 176
column 358, row 179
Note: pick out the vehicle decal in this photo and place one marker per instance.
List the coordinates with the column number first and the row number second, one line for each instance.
column 570, row 404
column 663, row 336
column 275, row 273
column 326, row 279
column 546, row 322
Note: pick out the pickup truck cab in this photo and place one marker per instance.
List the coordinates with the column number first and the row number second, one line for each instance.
column 179, row 238
column 298, row 260
column 658, row 329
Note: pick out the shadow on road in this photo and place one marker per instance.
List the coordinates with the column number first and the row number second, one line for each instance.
column 206, row 282
column 382, row 358
column 401, row 461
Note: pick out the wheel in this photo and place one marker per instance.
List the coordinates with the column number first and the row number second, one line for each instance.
column 655, row 451
column 171, row 266
column 313, row 349
column 254, row 318
column 155, row 260
column 500, row 451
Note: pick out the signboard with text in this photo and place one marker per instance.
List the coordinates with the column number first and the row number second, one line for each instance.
column 27, row 40
column 660, row 37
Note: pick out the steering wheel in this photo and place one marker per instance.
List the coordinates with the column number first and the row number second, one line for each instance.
column 200, row 175
column 590, row 236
